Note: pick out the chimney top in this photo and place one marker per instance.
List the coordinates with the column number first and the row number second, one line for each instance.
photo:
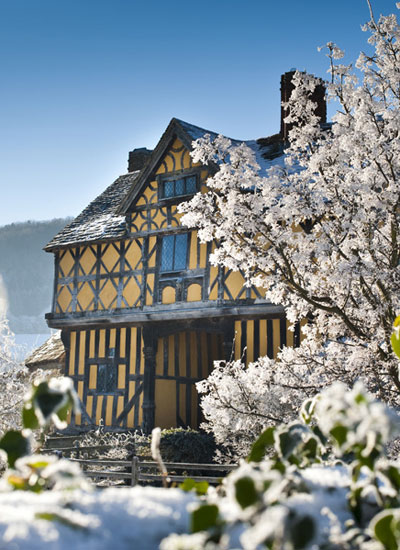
column 138, row 158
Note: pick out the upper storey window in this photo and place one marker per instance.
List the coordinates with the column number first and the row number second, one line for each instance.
column 178, row 186
column 174, row 252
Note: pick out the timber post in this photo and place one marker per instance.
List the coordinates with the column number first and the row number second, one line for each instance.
column 149, row 353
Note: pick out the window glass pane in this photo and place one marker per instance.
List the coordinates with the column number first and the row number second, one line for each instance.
column 167, row 253
column 180, row 251
column 101, row 378
column 168, row 188
column 180, row 187
column 191, row 184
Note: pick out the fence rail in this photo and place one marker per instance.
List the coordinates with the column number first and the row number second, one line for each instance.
column 147, row 471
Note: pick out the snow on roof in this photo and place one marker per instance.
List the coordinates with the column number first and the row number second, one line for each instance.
column 49, row 354
column 101, row 220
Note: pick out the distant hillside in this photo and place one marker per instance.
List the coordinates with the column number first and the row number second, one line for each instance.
column 27, row 272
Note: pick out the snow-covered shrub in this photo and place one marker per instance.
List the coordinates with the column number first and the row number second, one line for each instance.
column 326, row 484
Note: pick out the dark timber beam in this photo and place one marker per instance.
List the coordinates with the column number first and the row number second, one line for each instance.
column 149, row 352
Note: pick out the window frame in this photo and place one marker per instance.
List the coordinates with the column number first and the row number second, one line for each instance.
column 109, row 378
column 174, row 268
column 174, row 178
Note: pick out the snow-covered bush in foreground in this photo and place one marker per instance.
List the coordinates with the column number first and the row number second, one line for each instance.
column 327, row 485
column 321, row 235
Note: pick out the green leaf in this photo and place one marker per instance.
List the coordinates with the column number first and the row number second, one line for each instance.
column 265, row 440
column 340, row 434
column 48, row 403
column 29, row 418
column 204, row 518
column 394, row 476
column 15, row 445
column 200, row 487
column 383, row 528
column 245, row 492
column 302, row 532
column 63, row 411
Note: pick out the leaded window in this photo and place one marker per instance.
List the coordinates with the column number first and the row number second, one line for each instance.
column 174, row 252
column 106, row 378
column 176, row 187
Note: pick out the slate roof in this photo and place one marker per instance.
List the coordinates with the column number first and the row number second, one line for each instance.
column 104, row 218
column 49, row 355
column 99, row 221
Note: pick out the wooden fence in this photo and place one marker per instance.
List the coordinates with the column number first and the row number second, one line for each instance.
column 137, row 470
column 146, row 471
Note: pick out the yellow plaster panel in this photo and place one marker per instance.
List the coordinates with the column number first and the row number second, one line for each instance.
column 182, row 353
column 121, row 376
column 263, row 337
column 120, row 405
column 98, row 408
column 195, row 398
column 203, row 255
column 108, row 296
column 289, row 335
column 250, row 342
column 149, row 289
column 160, row 357
column 133, row 254
column 133, row 351
column 82, row 342
column 186, row 160
column 67, row 263
column 171, row 355
column 112, row 338
column 213, row 290
column 131, row 291
column 92, row 342
column 235, row 283
column 89, row 405
column 277, row 337
column 158, row 218
column 149, row 195
column 131, row 418
column 238, row 338
column 193, row 353
column 177, row 144
column 165, row 397
column 182, row 402
column 193, row 250
column 122, row 342
column 85, row 297
column 92, row 377
column 102, row 343
column 71, row 370
column 109, row 406
column 87, row 262
column 110, row 257
column 64, row 298
column 194, row 293
column 152, row 251
column 168, row 295
column 169, row 160
column 203, row 174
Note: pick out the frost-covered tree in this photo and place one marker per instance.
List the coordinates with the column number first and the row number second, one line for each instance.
column 321, row 235
column 14, row 380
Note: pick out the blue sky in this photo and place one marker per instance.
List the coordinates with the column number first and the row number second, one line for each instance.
column 85, row 81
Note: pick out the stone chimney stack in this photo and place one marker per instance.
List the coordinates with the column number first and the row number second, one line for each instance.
column 138, row 158
column 317, row 97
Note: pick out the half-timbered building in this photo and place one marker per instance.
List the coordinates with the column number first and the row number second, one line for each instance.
column 143, row 313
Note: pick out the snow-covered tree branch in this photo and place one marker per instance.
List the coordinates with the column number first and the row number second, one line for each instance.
column 322, row 234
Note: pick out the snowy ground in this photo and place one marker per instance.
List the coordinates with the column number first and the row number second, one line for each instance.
column 118, row 519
